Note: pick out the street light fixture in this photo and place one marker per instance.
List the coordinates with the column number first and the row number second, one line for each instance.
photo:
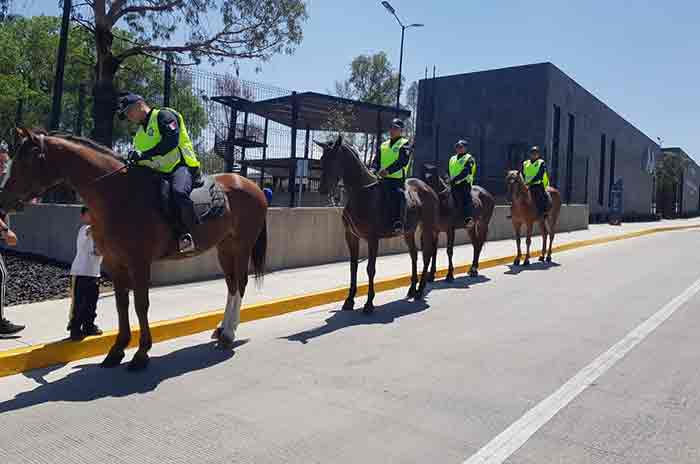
column 392, row 11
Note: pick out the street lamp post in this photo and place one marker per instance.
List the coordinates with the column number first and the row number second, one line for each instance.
column 391, row 10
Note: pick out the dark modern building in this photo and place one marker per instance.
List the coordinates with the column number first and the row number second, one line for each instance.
column 587, row 145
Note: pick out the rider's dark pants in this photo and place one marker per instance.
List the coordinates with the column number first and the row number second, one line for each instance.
column 540, row 197
column 462, row 194
column 181, row 181
column 393, row 197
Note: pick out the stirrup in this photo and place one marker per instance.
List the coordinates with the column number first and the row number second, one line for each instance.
column 398, row 227
column 469, row 222
column 186, row 243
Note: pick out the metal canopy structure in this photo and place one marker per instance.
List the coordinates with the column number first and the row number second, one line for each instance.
column 315, row 111
column 308, row 111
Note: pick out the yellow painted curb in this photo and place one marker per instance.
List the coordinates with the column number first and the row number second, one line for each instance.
column 37, row 356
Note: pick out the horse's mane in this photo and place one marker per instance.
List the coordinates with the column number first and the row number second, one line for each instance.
column 86, row 142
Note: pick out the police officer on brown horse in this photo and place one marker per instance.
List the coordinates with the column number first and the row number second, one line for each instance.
column 462, row 170
column 163, row 144
column 534, row 173
column 393, row 166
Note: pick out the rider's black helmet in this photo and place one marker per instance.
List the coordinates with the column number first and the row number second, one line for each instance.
column 125, row 101
column 397, row 123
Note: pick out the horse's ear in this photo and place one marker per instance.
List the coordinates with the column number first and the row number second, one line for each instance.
column 338, row 141
column 21, row 133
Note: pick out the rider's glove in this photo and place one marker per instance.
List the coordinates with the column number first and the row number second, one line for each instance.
column 133, row 157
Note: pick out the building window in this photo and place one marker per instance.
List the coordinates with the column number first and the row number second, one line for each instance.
column 612, row 164
column 556, row 134
column 570, row 159
column 601, row 174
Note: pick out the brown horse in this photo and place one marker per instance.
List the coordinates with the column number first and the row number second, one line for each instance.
column 363, row 216
column 131, row 231
column 524, row 211
column 452, row 218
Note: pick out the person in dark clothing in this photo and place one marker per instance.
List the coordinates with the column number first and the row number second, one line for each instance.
column 462, row 170
column 9, row 237
column 163, row 144
column 534, row 172
column 393, row 166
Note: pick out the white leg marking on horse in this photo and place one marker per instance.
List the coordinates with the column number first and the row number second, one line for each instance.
column 232, row 315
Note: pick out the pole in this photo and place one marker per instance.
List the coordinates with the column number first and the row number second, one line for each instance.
column 398, row 92
column 167, row 83
column 264, row 158
column 60, row 66
column 293, row 155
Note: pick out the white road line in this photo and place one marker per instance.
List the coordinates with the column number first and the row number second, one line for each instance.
column 510, row 440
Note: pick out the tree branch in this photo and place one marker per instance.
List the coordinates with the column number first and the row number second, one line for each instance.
column 116, row 15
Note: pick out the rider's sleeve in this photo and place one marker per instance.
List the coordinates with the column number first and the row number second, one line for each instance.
column 540, row 173
column 169, row 132
column 402, row 162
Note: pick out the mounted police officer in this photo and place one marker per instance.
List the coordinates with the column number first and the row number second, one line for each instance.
column 462, row 171
column 163, row 144
column 393, row 166
column 535, row 174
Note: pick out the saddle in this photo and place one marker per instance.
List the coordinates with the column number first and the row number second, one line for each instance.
column 207, row 196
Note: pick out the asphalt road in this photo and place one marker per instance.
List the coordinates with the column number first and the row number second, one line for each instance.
column 593, row 359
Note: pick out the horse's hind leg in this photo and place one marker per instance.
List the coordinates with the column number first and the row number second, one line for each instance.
column 234, row 263
column 477, row 244
column 411, row 243
column 372, row 248
column 433, row 259
column 552, row 225
column 141, row 280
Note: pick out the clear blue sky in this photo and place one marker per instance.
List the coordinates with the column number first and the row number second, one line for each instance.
column 640, row 57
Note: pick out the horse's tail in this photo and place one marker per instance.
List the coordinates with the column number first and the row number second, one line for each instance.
column 260, row 253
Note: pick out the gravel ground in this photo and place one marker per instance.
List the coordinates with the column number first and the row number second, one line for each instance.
column 33, row 279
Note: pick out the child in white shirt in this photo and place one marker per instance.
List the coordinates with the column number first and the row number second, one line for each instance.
column 85, row 273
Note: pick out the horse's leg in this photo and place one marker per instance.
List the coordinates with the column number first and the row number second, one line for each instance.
column 528, row 243
column 433, row 259
column 517, row 227
column 231, row 260
column 476, row 248
column 141, row 280
column 481, row 240
column 450, row 251
column 545, row 234
column 411, row 243
column 121, row 295
column 372, row 248
column 429, row 246
column 354, row 247
column 552, row 225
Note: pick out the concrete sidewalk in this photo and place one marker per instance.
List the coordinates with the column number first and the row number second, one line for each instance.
column 47, row 321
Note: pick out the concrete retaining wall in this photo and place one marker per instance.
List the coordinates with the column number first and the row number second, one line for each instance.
column 296, row 237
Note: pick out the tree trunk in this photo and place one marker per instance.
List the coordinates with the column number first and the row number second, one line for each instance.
column 104, row 92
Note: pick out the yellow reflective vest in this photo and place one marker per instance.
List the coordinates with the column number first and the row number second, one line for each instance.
column 149, row 138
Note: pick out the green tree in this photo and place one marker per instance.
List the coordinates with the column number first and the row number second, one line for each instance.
column 213, row 30
column 27, row 63
column 669, row 172
column 372, row 80
column 412, row 105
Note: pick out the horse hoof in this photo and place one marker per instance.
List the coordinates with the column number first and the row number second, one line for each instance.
column 411, row 293
column 113, row 359
column 526, row 262
column 368, row 309
column 139, row 362
column 473, row 272
column 430, row 277
column 549, row 259
column 225, row 342
column 516, row 262
column 216, row 334
column 349, row 305
column 542, row 259
column 450, row 278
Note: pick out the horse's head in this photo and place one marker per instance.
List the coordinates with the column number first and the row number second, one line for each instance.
column 515, row 183
column 331, row 166
column 27, row 174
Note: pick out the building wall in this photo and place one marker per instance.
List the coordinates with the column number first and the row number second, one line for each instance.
column 593, row 119
column 505, row 111
column 502, row 112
